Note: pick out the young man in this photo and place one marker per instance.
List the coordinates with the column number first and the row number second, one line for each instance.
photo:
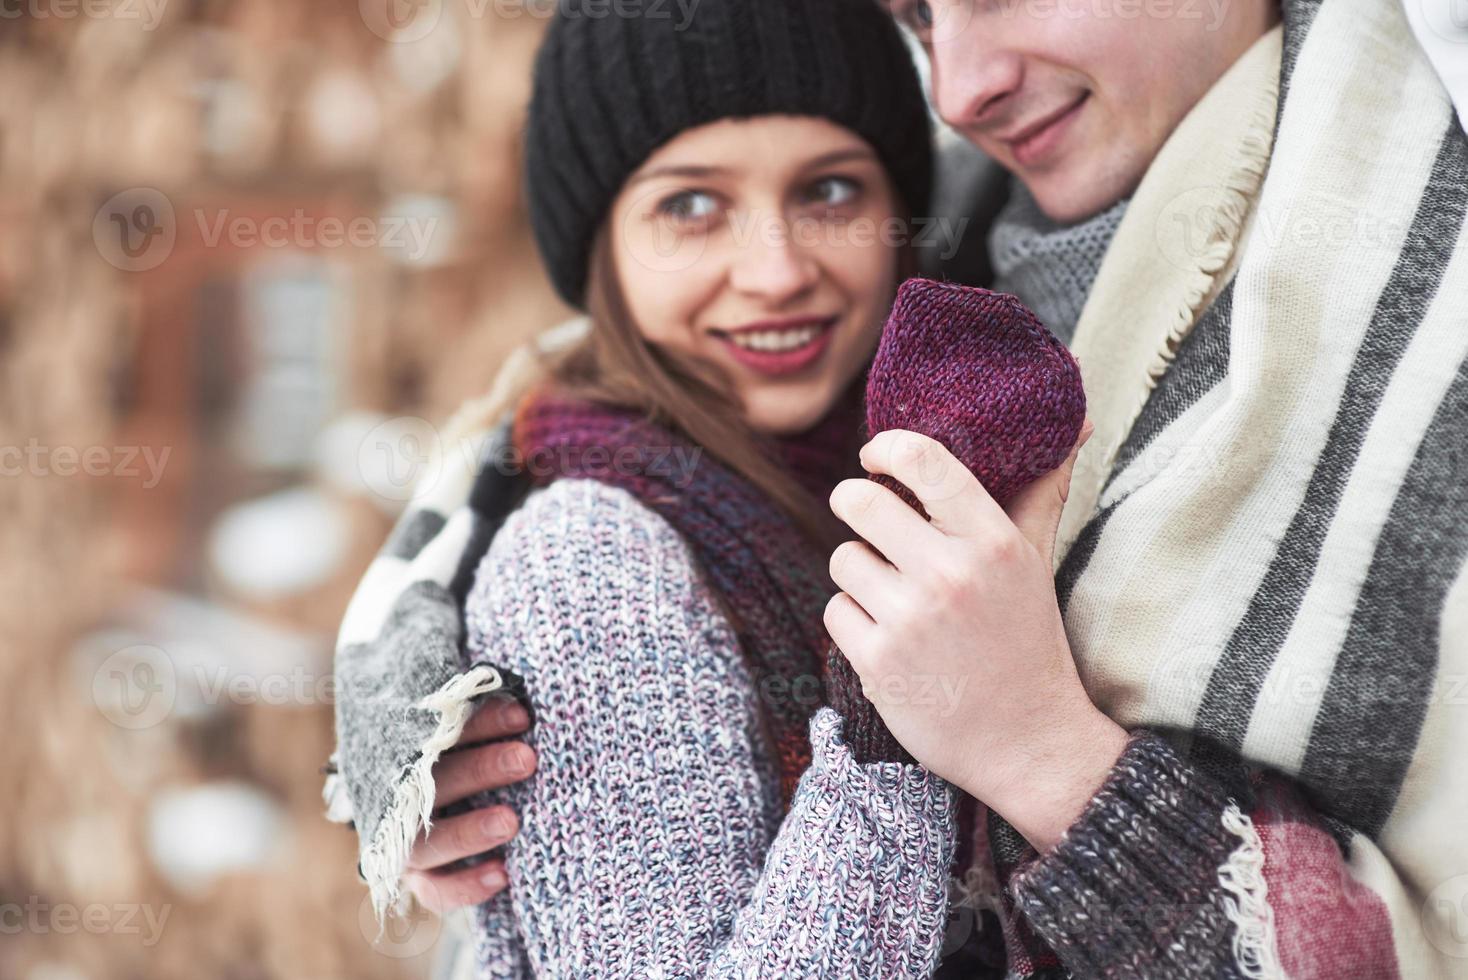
column 1257, row 234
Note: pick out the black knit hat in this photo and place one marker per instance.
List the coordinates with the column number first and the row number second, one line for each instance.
column 615, row 81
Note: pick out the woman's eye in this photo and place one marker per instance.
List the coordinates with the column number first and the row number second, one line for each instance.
column 920, row 16
column 833, row 192
column 689, row 206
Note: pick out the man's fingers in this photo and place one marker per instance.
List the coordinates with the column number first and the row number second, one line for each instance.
column 443, row 892
column 880, row 517
column 463, row 835
column 953, row 497
column 1035, row 510
column 460, row 774
column 858, row 570
column 496, row 718
column 847, row 623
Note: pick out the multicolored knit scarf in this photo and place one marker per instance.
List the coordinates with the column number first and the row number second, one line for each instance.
column 771, row 579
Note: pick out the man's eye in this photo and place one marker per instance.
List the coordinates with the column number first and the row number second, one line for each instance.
column 833, row 191
column 689, row 206
column 922, row 14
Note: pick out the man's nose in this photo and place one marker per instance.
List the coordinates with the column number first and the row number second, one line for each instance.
column 971, row 75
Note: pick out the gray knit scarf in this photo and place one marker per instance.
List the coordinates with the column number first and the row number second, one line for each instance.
column 1049, row 266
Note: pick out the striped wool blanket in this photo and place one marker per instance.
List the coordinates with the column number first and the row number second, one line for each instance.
column 1263, row 553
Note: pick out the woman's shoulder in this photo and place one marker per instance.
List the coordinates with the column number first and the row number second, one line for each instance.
column 584, row 520
column 581, row 547
column 593, row 599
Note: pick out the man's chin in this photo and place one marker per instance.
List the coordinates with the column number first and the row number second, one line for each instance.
column 1075, row 194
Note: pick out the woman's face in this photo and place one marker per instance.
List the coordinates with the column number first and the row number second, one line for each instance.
column 768, row 246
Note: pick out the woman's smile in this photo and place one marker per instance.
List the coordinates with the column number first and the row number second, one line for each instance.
column 778, row 347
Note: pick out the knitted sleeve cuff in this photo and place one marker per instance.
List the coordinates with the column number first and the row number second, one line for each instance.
column 1134, row 888
column 863, row 729
column 899, row 796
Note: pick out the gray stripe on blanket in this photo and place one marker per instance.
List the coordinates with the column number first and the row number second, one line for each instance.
column 1251, row 651
column 1201, row 364
column 412, row 533
column 1387, row 668
column 496, row 493
column 1079, row 556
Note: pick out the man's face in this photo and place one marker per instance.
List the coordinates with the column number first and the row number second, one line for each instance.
column 1076, row 97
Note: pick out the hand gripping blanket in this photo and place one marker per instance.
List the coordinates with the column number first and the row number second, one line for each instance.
column 403, row 694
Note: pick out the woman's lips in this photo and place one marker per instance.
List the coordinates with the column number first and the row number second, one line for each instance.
column 776, row 349
column 1036, row 146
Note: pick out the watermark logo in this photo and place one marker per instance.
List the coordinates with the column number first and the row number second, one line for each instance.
column 1445, row 917
column 404, row 457
column 398, row 456
column 1448, row 19
column 1196, row 226
column 942, row 692
column 401, row 21
column 409, row 21
column 928, row 468
column 1181, row 677
column 653, row 242
column 935, row 22
column 412, row 238
column 135, row 230
column 1214, row 11
column 135, row 688
column 404, row 932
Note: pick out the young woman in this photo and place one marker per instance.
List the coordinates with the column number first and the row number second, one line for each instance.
column 722, row 196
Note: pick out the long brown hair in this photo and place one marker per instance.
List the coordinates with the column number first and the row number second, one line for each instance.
column 615, row 364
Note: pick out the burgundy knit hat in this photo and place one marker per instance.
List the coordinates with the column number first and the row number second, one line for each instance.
column 977, row 371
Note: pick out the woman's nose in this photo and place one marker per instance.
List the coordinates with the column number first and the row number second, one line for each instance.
column 773, row 264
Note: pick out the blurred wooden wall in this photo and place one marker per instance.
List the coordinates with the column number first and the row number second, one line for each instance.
column 257, row 109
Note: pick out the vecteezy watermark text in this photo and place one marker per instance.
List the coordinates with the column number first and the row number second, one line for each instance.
column 149, row 13
column 64, row 918
column 305, row 231
column 35, row 459
column 409, row 21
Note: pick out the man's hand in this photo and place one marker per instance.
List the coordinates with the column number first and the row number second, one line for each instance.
column 468, row 769
column 954, row 628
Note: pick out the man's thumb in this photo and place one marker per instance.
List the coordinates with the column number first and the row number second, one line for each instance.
column 1036, row 509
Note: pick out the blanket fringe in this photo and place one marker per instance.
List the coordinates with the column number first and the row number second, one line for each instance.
column 1241, row 188
column 334, row 794
column 1255, row 946
column 384, row 861
column 1221, row 240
